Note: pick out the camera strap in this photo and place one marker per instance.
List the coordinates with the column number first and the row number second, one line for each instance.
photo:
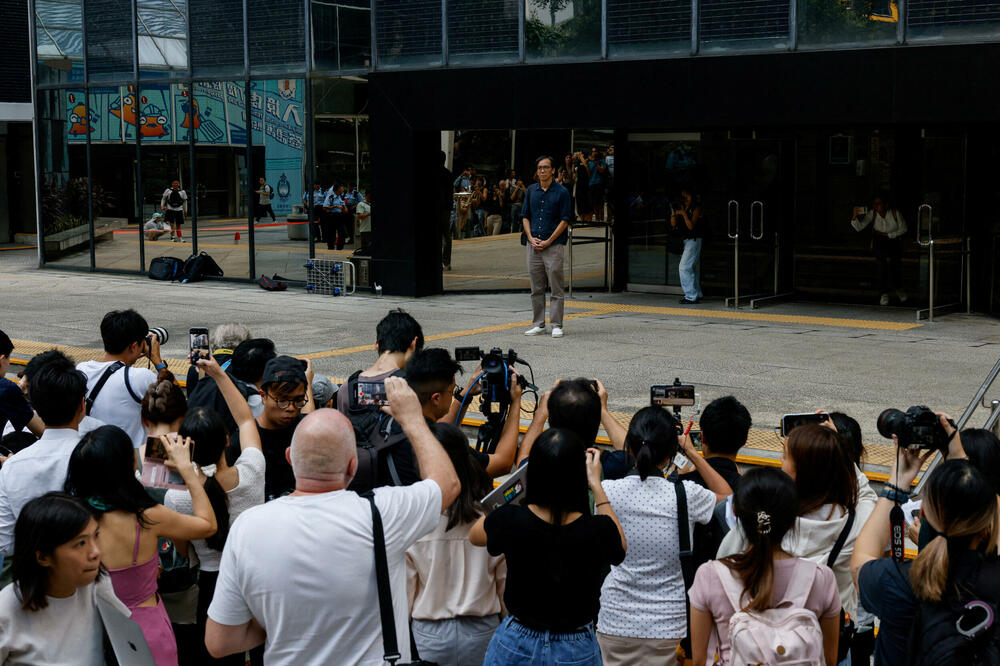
column 110, row 370
column 898, row 531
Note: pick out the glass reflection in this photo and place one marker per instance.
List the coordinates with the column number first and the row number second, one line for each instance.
column 59, row 35
column 827, row 22
column 559, row 29
column 162, row 36
column 341, row 35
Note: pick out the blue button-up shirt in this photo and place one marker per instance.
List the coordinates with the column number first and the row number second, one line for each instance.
column 546, row 209
column 334, row 200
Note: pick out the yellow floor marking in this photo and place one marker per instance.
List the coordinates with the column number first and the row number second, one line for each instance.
column 749, row 316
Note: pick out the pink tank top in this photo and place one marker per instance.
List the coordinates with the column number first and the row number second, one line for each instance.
column 136, row 583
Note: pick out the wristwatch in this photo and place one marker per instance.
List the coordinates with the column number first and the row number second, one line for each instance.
column 161, row 365
column 895, row 495
column 459, row 393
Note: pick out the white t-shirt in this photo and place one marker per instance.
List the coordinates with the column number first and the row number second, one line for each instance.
column 65, row 633
column 114, row 404
column 249, row 492
column 165, row 199
column 305, row 569
column 643, row 597
column 31, row 473
column 364, row 225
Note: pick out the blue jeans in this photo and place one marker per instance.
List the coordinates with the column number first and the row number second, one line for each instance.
column 515, row 645
column 690, row 269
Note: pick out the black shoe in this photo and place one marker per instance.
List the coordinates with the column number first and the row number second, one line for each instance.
column 687, row 301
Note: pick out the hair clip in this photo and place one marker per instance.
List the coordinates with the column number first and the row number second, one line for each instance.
column 763, row 522
column 97, row 503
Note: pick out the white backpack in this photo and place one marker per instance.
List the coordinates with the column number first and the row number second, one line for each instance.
column 788, row 634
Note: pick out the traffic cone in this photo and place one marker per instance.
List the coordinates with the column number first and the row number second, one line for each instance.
column 236, row 238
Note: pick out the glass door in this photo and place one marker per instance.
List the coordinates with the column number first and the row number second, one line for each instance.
column 940, row 223
column 756, row 210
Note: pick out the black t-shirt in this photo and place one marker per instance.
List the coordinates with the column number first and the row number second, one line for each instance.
column 708, row 537
column 554, row 573
column 278, row 477
column 403, row 458
column 884, row 590
column 13, row 406
column 726, row 468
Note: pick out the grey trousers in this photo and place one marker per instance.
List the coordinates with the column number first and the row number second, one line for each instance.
column 545, row 268
column 458, row 641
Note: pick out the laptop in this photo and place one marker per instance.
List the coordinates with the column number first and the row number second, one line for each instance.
column 125, row 636
column 510, row 491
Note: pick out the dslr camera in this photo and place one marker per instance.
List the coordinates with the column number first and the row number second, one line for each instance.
column 161, row 335
column 916, row 428
column 496, row 368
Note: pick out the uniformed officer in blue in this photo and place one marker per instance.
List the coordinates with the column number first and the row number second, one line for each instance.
column 546, row 215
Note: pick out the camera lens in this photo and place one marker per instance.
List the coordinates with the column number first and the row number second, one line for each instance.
column 160, row 333
column 890, row 422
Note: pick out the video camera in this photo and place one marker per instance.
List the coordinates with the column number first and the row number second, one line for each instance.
column 916, row 428
column 495, row 397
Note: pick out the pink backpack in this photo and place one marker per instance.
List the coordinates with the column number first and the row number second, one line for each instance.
column 788, row 634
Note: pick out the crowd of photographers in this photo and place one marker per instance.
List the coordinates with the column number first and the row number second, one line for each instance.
column 261, row 512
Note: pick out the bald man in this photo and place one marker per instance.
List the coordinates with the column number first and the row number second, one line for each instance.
column 298, row 573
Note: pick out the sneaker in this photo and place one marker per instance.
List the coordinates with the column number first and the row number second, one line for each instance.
column 535, row 330
column 884, row 300
column 687, row 301
column 557, row 332
column 902, row 295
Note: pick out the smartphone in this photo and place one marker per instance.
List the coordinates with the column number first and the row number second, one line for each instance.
column 672, row 395
column 791, row 421
column 371, row 394
column 198, row 340
column 466, row 354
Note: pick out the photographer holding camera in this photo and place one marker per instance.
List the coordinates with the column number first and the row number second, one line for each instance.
column 940, row 605
column 114, row 387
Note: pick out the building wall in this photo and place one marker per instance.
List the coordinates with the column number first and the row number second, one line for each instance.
column 15, row 74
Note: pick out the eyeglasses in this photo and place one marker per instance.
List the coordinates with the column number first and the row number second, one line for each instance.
column 299, row 402
column 544, row 168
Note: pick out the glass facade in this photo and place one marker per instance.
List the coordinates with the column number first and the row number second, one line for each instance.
column 217, row 94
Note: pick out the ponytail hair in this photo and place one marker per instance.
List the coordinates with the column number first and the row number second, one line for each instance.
column 208, row 432
column 651, row 439
column 766, row 504
column 964, row 506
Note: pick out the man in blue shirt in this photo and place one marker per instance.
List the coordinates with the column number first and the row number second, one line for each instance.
column 545, row 216
column 335, row 209
column 598, row 182
column 313, row 203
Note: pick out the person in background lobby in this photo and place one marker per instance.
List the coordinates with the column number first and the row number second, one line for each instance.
column 888, row 229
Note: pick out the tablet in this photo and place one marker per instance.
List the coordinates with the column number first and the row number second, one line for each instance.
column 511, row 491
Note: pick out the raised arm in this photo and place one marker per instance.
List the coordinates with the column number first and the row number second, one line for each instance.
column 616, row 432
column 536, row 428
column 602, row 506
column 237, row 404
column 310, row 405
column 712, row 479
column 173, row 525
column 432, row 460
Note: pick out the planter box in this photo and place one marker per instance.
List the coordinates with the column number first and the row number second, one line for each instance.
column 64, row 242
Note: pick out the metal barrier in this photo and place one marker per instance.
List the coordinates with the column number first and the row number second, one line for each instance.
column 975, row 403
column 607, row 239
column 926, row 211
column 993, row 422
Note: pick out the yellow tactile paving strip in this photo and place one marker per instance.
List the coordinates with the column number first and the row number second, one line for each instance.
column 749, row 316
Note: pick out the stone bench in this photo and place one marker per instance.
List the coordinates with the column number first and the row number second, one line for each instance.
column 63, row 242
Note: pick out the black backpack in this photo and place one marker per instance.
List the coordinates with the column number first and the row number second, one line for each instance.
column 200, row 266
column 174, row 199
column 375, row 434
column 960, row 630
column 166, row 268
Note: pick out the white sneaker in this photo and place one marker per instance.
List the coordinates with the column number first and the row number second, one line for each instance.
column 557, row 332
column 884, row 300
column 902, row 295
column 535, row 330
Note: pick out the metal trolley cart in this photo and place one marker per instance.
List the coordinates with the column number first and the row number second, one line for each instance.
column 330, row 277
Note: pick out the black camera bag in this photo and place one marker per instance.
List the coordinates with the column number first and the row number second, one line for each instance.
column 166, row 268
